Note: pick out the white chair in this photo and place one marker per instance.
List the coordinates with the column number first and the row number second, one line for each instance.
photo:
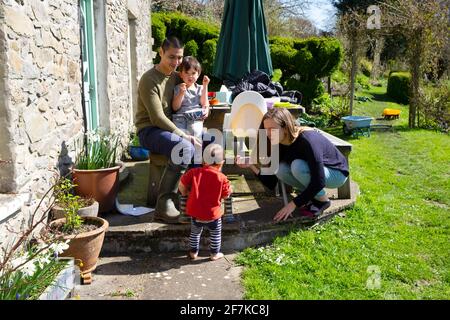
column 247, row 111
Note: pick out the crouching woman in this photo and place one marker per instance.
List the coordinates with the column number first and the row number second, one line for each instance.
column 309, row 162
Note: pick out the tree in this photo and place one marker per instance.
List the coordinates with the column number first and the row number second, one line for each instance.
column 424, row 24
column 348, row 7
column 277, row 12
column 351, row 26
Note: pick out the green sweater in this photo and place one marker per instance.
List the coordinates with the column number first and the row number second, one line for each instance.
column 154, row 107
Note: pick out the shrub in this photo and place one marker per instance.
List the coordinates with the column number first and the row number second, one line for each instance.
column 187, row 29
column 277, row 74
column 191, row 48
column 363, row 81
column 200, row 38
column 304, row 62
column 339, row 77
column 365, row 67
column 332, row 109
column 310, row 89
column 158, row 30
column 283, row 57
column 434, row 111
column 398, row 86
column 208, row 53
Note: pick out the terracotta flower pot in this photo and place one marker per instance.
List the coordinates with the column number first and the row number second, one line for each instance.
column 89, row 211
column 85, row 246
column 100, row 184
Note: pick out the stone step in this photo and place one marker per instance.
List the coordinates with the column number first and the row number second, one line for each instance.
column 128, row 234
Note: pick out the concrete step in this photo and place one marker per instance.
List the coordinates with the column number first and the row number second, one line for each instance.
column 253, row 206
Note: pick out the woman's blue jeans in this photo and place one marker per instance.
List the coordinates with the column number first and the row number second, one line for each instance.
column 298, row 175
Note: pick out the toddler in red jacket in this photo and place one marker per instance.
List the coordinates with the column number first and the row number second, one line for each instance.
column 206, row 187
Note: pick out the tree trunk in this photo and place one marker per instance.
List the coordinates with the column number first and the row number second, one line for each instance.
column 415, row 63
column 354, row 46
column 379, row 45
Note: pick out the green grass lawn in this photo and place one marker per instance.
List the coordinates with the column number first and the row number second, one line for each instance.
column 393, row 244
column 379, row 101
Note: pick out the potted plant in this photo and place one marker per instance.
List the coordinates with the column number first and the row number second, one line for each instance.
column 136, row 151
column 95, row 172
column 84, row 236
column 86, row 207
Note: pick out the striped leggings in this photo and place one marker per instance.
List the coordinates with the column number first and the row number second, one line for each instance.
column 215, row 235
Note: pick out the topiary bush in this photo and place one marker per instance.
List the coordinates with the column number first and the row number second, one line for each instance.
column 200, row 38
column 310, row 89
column 304, row 62
column 208, row 52
column 194, row 33
column 398, row 86
column 191, row 48
column 158, row 30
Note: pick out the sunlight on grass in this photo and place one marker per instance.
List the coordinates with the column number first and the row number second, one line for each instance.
column 393, row 244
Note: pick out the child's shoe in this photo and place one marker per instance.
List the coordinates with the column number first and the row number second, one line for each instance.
column 216, row 256
column 193, row 255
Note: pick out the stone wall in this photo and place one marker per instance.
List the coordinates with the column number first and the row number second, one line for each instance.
column 42, row 89
column 41, row 113
column 40, row 80
column 119, row 15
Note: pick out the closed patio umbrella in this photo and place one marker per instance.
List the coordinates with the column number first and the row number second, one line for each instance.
column 243, row 44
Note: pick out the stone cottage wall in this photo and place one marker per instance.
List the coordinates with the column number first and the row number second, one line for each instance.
column 41, row 115
column 41, row 90
column 40, row 102
column 117, row 24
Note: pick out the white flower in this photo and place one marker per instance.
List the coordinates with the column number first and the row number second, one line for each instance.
column 279, row 258
column 29, row 268
column 43, row 260
column 59, row 247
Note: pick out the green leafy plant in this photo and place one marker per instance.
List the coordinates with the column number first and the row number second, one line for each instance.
column 135, row 140
column 99, row 151
column 70, row 204
column 31, row 271
column 28, row 260
column 398, row 87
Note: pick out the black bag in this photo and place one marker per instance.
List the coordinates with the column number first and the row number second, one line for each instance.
column 257, row 81
column 292, row 96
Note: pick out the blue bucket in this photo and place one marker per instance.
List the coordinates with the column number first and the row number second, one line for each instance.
column 139, row 153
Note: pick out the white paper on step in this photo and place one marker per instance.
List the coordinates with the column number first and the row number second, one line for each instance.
column 130, row 210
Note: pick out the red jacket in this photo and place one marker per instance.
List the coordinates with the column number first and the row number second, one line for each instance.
column 208, row 186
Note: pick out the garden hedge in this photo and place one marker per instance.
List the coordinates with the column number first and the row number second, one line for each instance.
column 304, row 62
column 398, row 86
column 200, row 38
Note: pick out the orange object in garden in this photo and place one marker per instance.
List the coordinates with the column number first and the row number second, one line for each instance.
column 391, row 114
